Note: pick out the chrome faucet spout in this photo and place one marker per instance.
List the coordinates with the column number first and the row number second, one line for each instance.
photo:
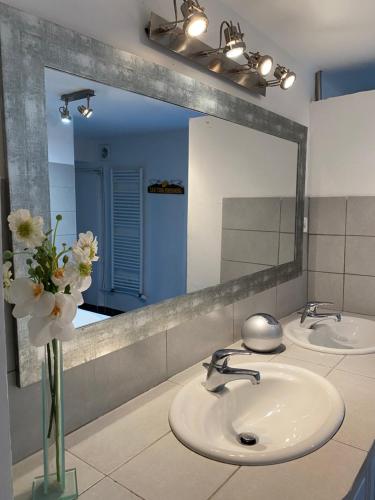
column 219, row 373
column 311, row 311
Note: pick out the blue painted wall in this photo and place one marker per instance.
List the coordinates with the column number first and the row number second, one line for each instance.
column 162, row 155
column 350, row 80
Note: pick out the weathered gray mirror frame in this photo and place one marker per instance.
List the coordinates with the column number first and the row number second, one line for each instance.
column 28, row 45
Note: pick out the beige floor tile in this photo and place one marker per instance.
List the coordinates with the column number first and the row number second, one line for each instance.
column 170, row 471
column 25, row 471
column 326, row 474
column 319, row 369
column 358, row 428
column 319, row 358
column 116, row 437
column 108, row 489
column 362, row 365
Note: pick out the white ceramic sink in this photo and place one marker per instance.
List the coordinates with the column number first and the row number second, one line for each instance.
column 351, row 335
column 291, row 413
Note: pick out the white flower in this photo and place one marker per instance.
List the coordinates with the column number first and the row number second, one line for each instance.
column 30, row 298
column 61, row 278
column 57, row 325
column 88, row 245
column 7, row 278
column 79, row 273
column 26, row 229
column 77, row 296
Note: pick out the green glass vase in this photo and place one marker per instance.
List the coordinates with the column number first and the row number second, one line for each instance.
column 56, row 483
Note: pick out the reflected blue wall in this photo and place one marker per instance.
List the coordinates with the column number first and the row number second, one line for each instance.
column 344, row 81
column 162, row 155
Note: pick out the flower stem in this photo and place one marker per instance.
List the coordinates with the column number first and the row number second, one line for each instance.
column 52, row 390
column 57, row 398
column 55, row 233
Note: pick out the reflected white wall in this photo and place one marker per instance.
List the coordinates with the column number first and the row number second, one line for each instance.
column 228, row 160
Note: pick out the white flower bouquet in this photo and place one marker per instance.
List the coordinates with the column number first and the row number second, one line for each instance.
column 49, row 296
column 56, row 279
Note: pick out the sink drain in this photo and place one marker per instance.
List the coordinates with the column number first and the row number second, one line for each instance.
column 248, row 439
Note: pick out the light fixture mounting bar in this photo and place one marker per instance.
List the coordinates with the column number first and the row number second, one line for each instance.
column 205, row 56
column 78, row 95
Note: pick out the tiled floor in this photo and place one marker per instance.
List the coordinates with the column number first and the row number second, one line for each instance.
column 131, row 454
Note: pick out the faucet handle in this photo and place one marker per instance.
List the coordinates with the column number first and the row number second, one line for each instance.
column 223, row 355
column 311, row 307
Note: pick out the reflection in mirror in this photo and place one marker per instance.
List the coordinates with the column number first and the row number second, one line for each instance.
column 242, row 188
column 178, row 200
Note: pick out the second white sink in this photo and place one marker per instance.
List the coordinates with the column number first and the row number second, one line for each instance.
column 351, row 335
column 291, row 413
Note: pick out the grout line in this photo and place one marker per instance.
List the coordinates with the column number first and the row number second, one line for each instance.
column 248, row 262
column 67, row 450
column 175, row 383
column 233, row 323
column 343, row 234
column 166, row 354
column 290, row 356
column 126, row 488
column 89, row 488
column 349, row 445
column 354, row 373
column 137, row 454
column 276, row 231
column 345, row 242
column 224, row 483
column 328, row 234
column 341, row 274
column 336, row 365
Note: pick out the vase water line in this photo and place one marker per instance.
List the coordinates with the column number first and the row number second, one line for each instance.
column 56, row 482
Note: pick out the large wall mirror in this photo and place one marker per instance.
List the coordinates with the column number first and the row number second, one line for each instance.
column 196, row 196
column 179, row 200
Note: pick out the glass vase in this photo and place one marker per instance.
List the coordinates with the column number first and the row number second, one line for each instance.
column 56, row 483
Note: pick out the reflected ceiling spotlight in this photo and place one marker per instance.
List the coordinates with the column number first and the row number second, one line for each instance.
column 85, row 111
column 283, row 78
column 261, row 64
column 195, row 21
column 64, row 113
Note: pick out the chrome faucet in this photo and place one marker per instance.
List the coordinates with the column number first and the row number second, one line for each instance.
column 311, row 311
column 219, row 373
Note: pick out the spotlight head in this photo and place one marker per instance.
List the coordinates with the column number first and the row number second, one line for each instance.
column 234, row 43
column 85, row 111
column 195, row 20
column 261, row 64
column 65, row 115
column 285, row 77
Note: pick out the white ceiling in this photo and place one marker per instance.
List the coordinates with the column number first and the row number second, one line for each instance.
column 116, row 112
column 324, row 33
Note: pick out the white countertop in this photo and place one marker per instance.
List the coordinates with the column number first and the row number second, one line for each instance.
column 130, row 453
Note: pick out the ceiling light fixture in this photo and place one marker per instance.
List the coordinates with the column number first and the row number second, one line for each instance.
column 195, row 21
column 261, row 64
column 231, row 60
column 85, row 111
column 234, row 43
column 284, row 78
column 64, row 113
